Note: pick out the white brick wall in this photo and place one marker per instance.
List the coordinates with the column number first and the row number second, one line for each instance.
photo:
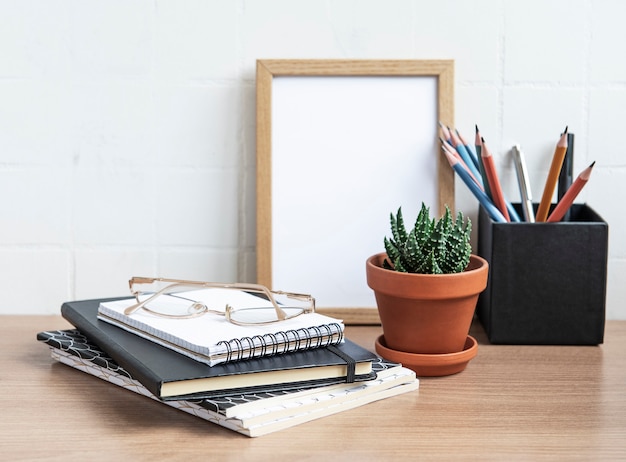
column 127, row 127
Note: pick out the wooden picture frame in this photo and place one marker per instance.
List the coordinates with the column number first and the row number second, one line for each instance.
column 301, row 103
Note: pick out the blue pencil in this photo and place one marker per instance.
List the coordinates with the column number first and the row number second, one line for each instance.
column 465, row 155
column 469, row 149
column 513, row 215
column 491, row 209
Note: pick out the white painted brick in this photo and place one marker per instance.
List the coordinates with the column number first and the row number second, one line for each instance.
column 114, row 206
column 248, row 135
column 371, row 28
column 289, row 29
column 616, row 289
column 249, row 210
column 198, row 126
column 247, row 213
column 196, row 40
column 605, row 193
column 468, row 32
column 105, row 272
column 34, row 206
column 247, row 267
column 35, row 39
column 545, row 41
column 607, row 38
column 35, row 281
column 476, row 106
column 197, row 208
column 112, row 38
column 607, row 113
column 198, row 264
column 36, row 125
column 114, row 124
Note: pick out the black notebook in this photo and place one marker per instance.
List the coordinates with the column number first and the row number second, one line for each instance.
column 169, row 375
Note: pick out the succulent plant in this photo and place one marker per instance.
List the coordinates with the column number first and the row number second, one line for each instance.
column 432, row 246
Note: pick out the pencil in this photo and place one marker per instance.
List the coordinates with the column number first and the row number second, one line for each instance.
column 512, row 212
column 494, row 182
column 469, row 149
column 491, row 209
column 460, row 148
column 445, row 133
column 568, row 198
column 448, row 148
column 524, row 184
column 566, row 175
column 481, row 165
column 553, row 177
column 513, row 215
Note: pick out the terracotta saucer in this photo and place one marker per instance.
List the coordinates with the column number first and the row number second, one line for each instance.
column 430, row 365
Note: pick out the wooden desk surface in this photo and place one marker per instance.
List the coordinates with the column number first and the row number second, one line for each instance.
column 511, row 403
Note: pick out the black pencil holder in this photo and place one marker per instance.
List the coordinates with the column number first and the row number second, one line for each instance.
column 547, row 281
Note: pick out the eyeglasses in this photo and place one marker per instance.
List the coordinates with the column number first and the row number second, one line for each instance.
column 181, row 299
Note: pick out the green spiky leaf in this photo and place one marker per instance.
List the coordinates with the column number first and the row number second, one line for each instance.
column 432, row 246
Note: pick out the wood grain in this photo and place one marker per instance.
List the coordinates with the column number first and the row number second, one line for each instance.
column 511, row 403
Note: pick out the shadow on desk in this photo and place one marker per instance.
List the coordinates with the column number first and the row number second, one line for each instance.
column 478, row 332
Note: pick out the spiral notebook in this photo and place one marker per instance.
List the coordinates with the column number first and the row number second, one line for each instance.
column 170, row 375
column 252, row 414
column 212, row 339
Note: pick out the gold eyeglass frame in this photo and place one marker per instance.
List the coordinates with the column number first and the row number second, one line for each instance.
column 201, row 308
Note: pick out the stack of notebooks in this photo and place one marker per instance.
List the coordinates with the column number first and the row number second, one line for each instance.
column 253, row 380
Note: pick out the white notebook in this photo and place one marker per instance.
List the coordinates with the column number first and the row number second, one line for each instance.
column 212, row 339
column 269, row 414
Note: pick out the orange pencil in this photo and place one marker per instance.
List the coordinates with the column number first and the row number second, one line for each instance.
column 494, row 182
column 553, row 178
column 568, row 198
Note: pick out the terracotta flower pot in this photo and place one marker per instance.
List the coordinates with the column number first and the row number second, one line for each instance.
column 426, row 313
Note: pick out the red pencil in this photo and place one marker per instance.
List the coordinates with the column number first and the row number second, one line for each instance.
column 494, row 182
column 568, row 198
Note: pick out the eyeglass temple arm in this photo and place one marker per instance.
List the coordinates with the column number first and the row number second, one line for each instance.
column 144, row 280
column 137, row 306
column 140, row 280
column 279, row 311
column 301, row 297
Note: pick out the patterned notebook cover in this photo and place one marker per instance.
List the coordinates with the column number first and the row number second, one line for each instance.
column 252, row 414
